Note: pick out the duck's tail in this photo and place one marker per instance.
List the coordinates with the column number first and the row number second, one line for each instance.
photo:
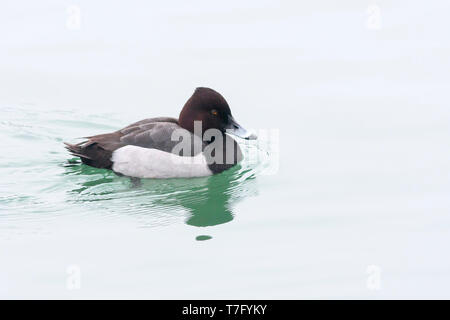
column 88, row 151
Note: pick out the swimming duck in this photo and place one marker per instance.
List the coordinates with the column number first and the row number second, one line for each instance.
column 193, row 145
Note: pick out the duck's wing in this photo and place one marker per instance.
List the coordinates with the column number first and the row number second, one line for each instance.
column 154, row 133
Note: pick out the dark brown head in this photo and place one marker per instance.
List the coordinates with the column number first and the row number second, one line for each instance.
column 209, row 107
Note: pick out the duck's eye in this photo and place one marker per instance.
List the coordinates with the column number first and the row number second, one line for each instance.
column 214, row 112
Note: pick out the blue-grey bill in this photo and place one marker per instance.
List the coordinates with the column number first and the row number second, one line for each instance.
column 236, row 129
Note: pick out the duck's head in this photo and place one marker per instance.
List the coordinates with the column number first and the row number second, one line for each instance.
column 209, row 107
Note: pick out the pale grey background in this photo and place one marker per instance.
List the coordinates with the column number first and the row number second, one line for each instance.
column 364, row 152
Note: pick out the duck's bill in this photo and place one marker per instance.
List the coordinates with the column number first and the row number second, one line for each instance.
column 236, row 129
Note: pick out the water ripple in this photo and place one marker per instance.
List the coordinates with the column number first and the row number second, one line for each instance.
column 46, row 183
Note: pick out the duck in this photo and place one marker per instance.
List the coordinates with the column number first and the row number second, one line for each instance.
column 199, row 143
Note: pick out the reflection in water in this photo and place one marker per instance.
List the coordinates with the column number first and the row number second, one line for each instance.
column 203, row 238
column 57, row 186
column 208, row 200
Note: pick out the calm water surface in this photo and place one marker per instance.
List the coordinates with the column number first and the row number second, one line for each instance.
column 248, row 232
column 352, row 201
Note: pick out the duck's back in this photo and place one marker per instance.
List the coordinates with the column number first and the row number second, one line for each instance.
column 152, row 133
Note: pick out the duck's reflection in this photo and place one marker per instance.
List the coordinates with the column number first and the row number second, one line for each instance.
column 213, row 207
column 208, row 200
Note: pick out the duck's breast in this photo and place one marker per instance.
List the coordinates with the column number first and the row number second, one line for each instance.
column 135, row 161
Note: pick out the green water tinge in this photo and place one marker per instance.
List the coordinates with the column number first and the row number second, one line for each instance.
column 57, row 183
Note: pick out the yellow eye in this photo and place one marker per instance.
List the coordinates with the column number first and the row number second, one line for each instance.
column 214, row 112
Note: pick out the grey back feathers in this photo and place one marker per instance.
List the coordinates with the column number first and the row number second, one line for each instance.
column 154, row 133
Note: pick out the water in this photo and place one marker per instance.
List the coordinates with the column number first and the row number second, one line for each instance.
column 60, row 184
column 351, row 202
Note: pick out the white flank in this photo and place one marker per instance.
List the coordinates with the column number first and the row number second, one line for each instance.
column 141, row 162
